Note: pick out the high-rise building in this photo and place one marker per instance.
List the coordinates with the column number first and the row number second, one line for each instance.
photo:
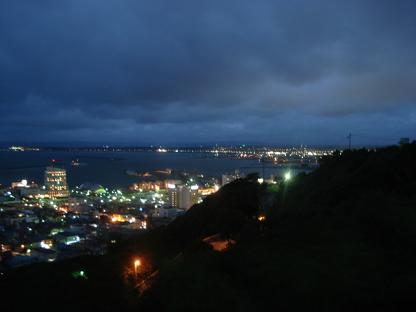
column 173, row 195
column 228, row 178
column 182, row 196
column 55, row 182
column 188, row 196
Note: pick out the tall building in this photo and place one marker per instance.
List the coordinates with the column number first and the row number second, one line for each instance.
column 55, row 182
column 228, row 178
column 188, row 196
column 182, row 196
column 173, row 195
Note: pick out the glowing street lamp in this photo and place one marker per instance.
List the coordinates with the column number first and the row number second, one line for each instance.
column 261, row 218
column 288, row 176
column 137, row 264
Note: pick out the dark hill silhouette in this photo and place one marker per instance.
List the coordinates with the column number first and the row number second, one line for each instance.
column 226, row 213
column 352, row 175
column 341, row 238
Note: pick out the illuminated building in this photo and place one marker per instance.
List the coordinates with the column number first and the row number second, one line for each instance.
column 150, row 186
column 173, row 195
column 227, row 178
column 22, row 183
column 188, row 196
column 169, row 183
column 182, row 196
column 27, row 190
column 55, row 182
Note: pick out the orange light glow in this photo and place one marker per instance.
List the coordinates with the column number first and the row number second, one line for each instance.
column 63, row 209
column 261, row 218
column 207, row 190
column 117, row 218
column 217, row 243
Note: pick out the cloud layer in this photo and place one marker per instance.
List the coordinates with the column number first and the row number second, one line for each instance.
column 141, row 72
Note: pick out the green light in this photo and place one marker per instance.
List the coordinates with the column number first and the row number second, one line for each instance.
column 79, row 274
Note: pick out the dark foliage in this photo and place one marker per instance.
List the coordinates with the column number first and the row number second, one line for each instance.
column 340, row 238
column 225, row 212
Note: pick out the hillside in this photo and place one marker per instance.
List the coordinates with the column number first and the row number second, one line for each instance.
column 339, row 238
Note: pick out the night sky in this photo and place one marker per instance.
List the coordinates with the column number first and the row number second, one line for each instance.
column 179, row 72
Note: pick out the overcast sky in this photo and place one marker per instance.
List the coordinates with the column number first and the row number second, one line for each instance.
column 187, row 71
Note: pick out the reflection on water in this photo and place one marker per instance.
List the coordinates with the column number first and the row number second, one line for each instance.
column 109, row 168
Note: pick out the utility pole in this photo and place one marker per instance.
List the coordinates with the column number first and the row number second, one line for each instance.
column 349, row 137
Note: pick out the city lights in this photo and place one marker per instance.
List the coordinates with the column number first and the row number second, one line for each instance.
column 78, row 223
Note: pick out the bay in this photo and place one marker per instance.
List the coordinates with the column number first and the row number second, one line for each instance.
column 109, row 168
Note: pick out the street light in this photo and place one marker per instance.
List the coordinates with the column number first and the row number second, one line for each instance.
column 288, row 176
column 137, row 263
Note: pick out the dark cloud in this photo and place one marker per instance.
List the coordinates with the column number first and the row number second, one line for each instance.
column 189, row 71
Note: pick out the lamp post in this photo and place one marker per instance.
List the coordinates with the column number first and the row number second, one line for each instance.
column 137, row 263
